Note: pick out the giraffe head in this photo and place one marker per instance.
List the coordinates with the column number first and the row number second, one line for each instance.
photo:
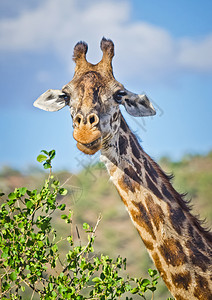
column 94, row 97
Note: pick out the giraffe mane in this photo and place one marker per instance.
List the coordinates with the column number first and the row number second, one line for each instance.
column 184, row 203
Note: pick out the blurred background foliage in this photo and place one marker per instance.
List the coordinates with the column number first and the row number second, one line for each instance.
column 90, row 193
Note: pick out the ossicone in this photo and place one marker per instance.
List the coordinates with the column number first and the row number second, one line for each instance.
column 107, row 48
column 80, row 51
column 79, row 56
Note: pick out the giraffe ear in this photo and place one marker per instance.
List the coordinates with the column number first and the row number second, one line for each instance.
column 136, row 105
column 52, row 100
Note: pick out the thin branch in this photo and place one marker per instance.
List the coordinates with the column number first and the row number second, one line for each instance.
column 66, row 181
column 0, row 289
column 92, row 235
column 86, row 247
column 32, row 287
column 33, row 292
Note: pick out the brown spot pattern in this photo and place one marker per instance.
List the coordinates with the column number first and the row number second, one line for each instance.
column 132, row 174
column 166, row 192
column 179, row 297
column 123, row 125
column 148, row 244
column 113, row 170
column 181, row 280
column 197, row 257
column 177, row 218
column 127, row 184
column 115, row 116
column 134, row 147
column 150, row 170
column 173, row 253
column 142, row 218
column 137, row 166
column 153, row 187
column 199, row 242
column 160, row 269
column 202, row 291
column 190, row 230
column 123, row 143
column 155, row 211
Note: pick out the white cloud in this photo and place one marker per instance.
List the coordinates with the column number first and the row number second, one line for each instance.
column 142, row 49
column 196, row 55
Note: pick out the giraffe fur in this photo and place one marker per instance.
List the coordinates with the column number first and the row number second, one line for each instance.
column 178, row 244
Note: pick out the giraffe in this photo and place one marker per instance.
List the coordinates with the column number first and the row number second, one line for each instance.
column 179, row 246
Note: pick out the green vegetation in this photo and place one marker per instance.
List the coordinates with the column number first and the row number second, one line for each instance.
column 90, row 193
column 32, row 261
column 193, row 175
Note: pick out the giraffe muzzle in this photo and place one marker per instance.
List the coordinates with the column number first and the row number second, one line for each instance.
column 90, row 145
column 88, row 141
column 87, row 133
column 90, row 148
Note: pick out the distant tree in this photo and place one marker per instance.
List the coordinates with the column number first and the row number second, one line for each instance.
column 8, row 171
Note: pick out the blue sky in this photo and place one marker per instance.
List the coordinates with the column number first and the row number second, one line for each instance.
column 163, row 50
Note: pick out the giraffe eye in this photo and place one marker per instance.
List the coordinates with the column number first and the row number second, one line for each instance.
column 118, row 96
column 65, row 97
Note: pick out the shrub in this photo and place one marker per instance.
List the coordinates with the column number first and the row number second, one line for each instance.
column 30, row 254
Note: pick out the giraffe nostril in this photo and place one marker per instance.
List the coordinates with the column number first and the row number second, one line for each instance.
column 93, row 119
column 78, row 120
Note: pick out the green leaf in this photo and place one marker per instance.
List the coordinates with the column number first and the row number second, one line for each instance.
column 63, row 191
column 152, row 289
column 62, row 206
column 23, row 288
column 45, row 152
column 54, row 248
column 86, row 226
column 56, row 182
column 52, row 154
column 4, row 253
column 13, row 276
column 21, row 225
column 135, row 290
column 22, row 191
column 6, row 287
column 96, row 279
column 47, row 165
column 64, row 217
column 29, row 204
column 152, row 273
column 61, row 289
column 40, row 244
column 50, row 286
column 41, row 158
column 145, row 282
column 31, row 193
column 54, row 294
column 12, row 196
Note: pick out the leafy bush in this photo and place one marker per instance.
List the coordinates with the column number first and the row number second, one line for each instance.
column 31, row 262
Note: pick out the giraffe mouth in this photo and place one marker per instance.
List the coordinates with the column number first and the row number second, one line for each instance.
column 90, row 148
column 90, row 145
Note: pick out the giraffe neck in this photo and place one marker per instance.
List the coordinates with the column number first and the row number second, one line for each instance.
column 180, row 248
